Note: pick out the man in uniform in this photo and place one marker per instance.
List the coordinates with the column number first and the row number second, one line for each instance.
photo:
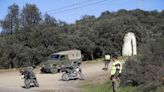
column 115, row 73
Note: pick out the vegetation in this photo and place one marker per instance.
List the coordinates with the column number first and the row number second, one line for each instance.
column 28, row 36
column 146, row 71
column 106, row 87
column 142, row 73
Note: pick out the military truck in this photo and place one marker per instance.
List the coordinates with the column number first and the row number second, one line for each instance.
column 58, row 61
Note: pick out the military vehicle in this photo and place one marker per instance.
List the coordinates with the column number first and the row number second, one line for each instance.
column 58, row 61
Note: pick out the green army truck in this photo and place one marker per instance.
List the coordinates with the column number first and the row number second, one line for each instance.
column 58, row 61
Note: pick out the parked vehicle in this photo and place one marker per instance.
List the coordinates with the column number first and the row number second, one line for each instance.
column 58, row 61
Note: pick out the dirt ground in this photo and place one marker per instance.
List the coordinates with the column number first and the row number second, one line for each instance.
column 12, row 82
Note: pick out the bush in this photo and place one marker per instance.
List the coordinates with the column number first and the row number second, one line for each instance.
column 106, row 87
column 146, row 70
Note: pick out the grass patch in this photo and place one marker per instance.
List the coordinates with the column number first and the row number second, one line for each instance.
column 106, row 87
column 97, row 88
column 129, row 89
column 160, row 89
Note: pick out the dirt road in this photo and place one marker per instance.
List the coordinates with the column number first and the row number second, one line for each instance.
column 12, row 82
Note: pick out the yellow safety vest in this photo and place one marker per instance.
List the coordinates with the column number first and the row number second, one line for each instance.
column 113, row 70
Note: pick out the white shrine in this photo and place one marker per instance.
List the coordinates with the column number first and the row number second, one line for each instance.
column 129, row 45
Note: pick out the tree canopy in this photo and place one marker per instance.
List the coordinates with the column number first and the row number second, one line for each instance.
column 28, row 37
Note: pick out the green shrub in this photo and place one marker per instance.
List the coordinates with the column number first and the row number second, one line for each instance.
column 146, row 70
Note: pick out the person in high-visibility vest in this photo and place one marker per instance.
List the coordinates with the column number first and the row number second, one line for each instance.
column 115, row 73
column 107, row 60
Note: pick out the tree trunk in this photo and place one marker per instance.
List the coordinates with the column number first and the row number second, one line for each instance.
column 92, row 57
column 11, row 65
column 11, row 59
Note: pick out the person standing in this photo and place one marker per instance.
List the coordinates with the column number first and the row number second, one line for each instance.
column 115, row 73
column 107, row 60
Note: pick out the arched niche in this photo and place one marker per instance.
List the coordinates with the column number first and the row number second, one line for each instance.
column 129, row 46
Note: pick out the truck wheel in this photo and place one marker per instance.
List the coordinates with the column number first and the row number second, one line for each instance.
column 52, row 70
column 65, row 77
column 41, row 71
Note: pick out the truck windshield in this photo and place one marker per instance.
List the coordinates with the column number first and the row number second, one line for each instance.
column 54, row 57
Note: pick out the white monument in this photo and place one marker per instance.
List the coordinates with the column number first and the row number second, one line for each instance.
column 129, row 46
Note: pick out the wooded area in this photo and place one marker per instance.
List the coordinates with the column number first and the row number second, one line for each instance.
column 29, row 36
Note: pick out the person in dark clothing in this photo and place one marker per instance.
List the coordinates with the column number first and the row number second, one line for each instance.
column 29, row 77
